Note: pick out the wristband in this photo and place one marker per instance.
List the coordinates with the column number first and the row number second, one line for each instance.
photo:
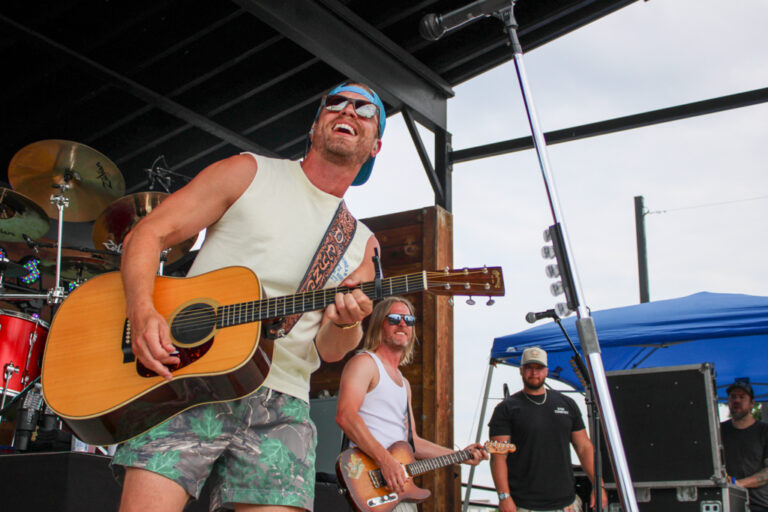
column 733, row 480
column 347, row 326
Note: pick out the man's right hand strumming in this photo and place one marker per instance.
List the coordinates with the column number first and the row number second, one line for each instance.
column 151, row 340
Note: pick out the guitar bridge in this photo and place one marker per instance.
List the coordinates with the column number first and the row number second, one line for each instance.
column 128, row 356
column 381, row 500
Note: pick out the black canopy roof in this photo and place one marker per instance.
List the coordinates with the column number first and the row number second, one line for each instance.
column 198, row 81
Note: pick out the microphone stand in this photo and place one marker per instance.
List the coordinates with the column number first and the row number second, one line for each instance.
column 594, row 419
column 584, row 323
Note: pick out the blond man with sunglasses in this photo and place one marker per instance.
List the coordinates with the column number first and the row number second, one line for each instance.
column 269, row 215
column 374, row 407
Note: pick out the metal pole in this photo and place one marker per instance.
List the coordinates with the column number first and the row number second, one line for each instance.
column 465, row 506
column 642, row 253
column 584, row 323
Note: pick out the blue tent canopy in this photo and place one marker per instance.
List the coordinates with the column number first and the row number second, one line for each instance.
column 729, row 330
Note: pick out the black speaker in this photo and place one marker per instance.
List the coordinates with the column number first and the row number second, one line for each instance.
column 83, row 482
column 63, row 481
column 669, row 424
column 329, row 434
column 328, row 498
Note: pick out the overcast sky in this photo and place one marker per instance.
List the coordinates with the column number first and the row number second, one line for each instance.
column 703, row 179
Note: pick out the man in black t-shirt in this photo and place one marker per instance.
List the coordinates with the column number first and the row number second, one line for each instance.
column 745, row 441
column 543, row 423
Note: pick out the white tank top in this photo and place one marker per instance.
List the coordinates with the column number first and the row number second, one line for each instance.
column 385, row 407
column 274, row 229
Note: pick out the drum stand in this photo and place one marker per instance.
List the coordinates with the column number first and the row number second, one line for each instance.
column 8, row 372
column 56, row 294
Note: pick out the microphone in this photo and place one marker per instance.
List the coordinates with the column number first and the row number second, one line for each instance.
column 535, row 317
column 434, row 26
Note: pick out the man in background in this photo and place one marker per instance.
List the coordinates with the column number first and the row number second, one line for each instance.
column 745, row 441
column 374, row 407
column 543, row 423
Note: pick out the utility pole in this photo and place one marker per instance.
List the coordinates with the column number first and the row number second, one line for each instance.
column 642, row 254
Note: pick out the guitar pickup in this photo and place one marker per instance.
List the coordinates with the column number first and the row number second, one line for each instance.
column 381, row 500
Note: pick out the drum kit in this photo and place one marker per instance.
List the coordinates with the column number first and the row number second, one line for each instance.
column 64, row 181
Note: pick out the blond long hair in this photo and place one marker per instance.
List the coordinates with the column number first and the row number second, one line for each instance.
column 373, row 336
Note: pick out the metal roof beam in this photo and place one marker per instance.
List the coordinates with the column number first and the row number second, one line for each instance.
column 424, row 156
column 358, row 50
column 144, row 93
column 618, row 124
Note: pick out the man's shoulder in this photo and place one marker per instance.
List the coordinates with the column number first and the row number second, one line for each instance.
column 361, row 357
column 559, row 395
column 512, row 400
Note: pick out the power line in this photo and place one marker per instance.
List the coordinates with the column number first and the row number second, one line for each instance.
column 706, row 205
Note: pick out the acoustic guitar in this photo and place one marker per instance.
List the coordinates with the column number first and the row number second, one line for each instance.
column 366, row 490
column 93, row 382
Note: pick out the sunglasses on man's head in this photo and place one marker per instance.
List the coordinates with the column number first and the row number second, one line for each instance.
column 363, row 108
column 394, row 319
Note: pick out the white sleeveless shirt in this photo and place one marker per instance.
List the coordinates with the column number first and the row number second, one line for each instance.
column 274, row 229
column 385, row 408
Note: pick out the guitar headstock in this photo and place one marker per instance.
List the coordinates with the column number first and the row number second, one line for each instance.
column 485, row 281
column 499, row 447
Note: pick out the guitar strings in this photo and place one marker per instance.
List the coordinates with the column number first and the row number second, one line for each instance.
column 273, row 304
column 248, row 309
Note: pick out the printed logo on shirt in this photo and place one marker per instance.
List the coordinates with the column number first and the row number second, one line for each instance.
column 561, row 410
column 340, row 272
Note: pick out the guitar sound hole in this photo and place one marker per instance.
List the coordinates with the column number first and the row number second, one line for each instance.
column 194, row 323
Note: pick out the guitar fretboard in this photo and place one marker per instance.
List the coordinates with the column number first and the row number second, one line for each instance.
column 424, row 465
column 255, row 311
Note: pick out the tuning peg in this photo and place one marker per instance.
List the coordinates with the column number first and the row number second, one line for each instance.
column 450, row 301
column 490, row 302
column 471, row 301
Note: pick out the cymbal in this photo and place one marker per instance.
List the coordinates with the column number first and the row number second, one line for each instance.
column 19, row 216
column 118, row 219
column 94, row 180
column 77, row 268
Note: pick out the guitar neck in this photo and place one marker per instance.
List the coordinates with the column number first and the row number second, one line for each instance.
column 258, row 310
column 424, row 465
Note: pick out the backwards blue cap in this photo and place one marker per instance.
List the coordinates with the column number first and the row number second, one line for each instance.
column 365, row 171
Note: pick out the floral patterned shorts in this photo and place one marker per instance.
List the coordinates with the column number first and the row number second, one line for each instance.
column 259, row 449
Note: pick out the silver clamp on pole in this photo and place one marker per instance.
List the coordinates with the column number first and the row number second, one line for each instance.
column 8, row 372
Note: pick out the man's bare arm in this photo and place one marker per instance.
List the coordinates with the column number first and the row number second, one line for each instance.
column 179, row 217
column 341, row 331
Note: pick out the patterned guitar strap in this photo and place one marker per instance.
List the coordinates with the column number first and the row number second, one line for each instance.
column 329, row 253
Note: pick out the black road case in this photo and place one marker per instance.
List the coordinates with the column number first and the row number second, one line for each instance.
column 670, row 429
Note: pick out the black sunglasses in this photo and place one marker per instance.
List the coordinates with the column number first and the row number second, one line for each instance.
column 394, row 319
column 363, row 108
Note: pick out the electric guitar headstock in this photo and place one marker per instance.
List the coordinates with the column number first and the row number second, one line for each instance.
column 485, row 281
column 499, row 447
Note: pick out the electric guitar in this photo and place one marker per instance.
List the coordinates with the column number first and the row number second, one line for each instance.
column 92, row 380
column 364, row 485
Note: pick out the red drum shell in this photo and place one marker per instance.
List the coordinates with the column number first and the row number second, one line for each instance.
column 16, row 329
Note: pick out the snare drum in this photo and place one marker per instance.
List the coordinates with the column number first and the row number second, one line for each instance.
column 22, row 340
